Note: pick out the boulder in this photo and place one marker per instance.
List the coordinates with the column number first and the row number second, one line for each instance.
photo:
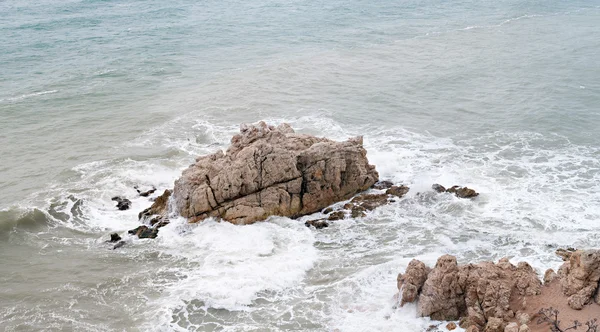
column 122, row 203
column 397, row 191
column 500, row 296
column 411, row 282
column 272, row 171
column 439, row 188
column 579, row 277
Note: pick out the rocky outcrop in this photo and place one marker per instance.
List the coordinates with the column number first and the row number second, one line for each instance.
column 501, row 296
column 272, row 171
column 579, row 277
column 361, row 203
column 411, row 282
column 461, row 192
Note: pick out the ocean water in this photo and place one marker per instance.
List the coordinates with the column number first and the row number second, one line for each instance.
column 99, row 96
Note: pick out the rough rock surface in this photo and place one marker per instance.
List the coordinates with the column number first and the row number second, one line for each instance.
column 461, row 192
column 272, row 171
column 411, row 282
column 502, row 296
column 579, row 277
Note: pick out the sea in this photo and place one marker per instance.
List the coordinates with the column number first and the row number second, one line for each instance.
column 100, row 96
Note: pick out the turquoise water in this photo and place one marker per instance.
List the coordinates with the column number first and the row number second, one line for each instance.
column 99, row 96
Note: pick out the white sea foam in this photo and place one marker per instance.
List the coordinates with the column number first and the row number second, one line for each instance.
column 226, row 266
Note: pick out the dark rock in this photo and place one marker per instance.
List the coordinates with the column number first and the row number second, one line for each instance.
column 318, row 224
column 114, row 237
column 337, row 215
column 144, row 232
column 327, row 210
column 368, row 202
column 398, row 191
column 463, row 192
column 119, row 245
column 145, row 193
column 122, row 203
column 439, row 188
column 380, row 185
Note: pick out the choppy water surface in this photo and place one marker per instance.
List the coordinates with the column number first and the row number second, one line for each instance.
column 99, row 96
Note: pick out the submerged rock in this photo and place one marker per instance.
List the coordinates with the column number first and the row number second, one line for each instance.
column 318, row 224
column 144, row 232
column 381, row 185
column 145, row 193
column 397, row 191
column 114, row 237
column 119, row 245
column 122, row 203
column 272, row 171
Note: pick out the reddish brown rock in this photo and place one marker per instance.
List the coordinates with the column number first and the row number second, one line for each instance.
column 579, row 277
column 411, row 282
column 505, row 297
column 398, row 191
column 273, row 171
column 463, row 192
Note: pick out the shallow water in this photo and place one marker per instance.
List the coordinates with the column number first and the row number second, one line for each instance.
column 99, row 96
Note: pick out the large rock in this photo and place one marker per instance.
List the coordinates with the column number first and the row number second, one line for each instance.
column 579, row 277
column 501, row 296
column 475, row 293
column 272, row 171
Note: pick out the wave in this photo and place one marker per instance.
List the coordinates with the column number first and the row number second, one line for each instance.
column 27, row 96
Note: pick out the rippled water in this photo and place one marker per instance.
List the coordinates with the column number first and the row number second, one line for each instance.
column 99, row 96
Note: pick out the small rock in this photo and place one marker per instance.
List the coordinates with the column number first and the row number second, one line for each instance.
column 145, row 193
column 549, row 276
column 439, row 188
column 380, row 185
column 494, row 325
column 143, row 232
column 114, row 237
column 462, row 192
column 524, row 328
column 119, row 245
column 451, row 326
column 318, row 224
column 338, row 215
column 122, row 203
column 398, row 191
column 512, row 327
column 327, row 210
column 523, row 318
